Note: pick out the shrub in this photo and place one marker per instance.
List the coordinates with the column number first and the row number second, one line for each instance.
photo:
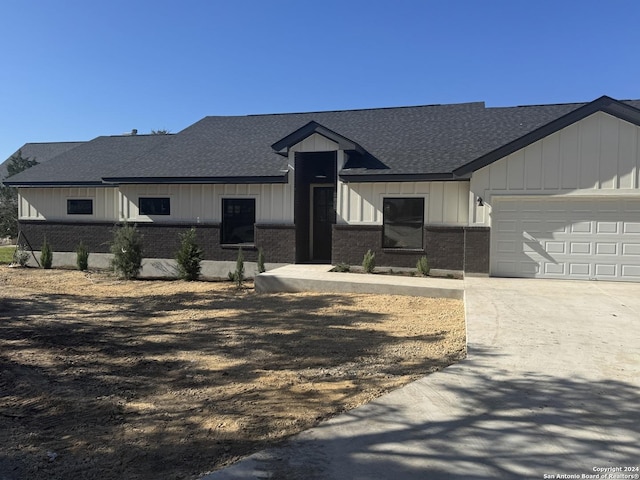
column 423, row 266
column 82, row 257
column 46, row 255
column 369, row 261
column 127, row 251
column 238, row 275
column 189, row 256
column 342, row 268
column 261, row 268
column 21, row 256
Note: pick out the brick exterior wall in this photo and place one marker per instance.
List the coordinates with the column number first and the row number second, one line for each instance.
column 162, row 240
column 448, row 248
column 477, row 249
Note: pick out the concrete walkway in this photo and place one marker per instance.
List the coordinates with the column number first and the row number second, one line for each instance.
column 318, row 278
column 551, row 386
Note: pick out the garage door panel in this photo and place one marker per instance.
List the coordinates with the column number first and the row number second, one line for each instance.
column 580, row 269
column 581, row 227
column 580, row 248
column 631, row 227
column 578, row 238
column 555, row 247
column 630, row 249
column 554, row 269
column 630, row 271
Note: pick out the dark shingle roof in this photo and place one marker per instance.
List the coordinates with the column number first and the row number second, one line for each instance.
column 90, row 162
column 408, row 142
column 41, row 152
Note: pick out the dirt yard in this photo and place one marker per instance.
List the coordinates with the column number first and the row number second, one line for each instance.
column 102, row 378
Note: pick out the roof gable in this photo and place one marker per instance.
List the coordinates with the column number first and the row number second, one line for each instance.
column 604, row 104
column 309, row 129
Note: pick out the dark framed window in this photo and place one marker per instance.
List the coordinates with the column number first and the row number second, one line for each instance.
column 238, row 220
column 154, row 205
column 402, row 222
column 79, row 206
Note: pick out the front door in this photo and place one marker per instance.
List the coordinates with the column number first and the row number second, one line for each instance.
column 323, row 216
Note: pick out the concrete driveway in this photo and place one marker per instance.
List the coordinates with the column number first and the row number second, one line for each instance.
column 551, row 386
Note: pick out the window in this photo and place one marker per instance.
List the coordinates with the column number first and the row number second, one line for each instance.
column 238, row 218
column 402, row 222
column 79, row 206
column 154, row 206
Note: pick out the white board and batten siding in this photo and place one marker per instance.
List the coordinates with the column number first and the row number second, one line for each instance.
column 203, row 203
column 446, row 203
column 51, row 203
column 566, row 206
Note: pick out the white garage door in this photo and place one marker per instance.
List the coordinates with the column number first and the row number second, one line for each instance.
column 578, row 238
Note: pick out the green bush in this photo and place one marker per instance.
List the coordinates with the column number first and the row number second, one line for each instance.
column 369, row 261
column 46, row 255
column 238, row 275
column 342, row 268
column 189, row 256
column 127, row 251
column 261, row 268
column 21, row 256
column 82, row 257
column 423, row 266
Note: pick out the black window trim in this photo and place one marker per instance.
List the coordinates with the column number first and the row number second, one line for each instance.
column 75, row 199
column 223, row 198
column 153, row 197
column 421, row 248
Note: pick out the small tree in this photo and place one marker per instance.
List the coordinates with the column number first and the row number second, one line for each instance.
column 189, row 256
column 238, row 275
column 369, row 261
column 127, row 251
column 261, row 268
column 423, row 266
column 9, row 195
column 82, row 256
column 46, row 255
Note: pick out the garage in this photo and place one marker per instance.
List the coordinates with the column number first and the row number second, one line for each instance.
column 582, row 238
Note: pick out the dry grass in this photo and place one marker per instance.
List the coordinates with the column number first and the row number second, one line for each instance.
column 154, row 379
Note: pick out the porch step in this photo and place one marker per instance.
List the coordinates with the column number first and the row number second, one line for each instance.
column 318, row 278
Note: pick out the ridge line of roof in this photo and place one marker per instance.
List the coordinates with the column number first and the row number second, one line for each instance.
column 353, row 110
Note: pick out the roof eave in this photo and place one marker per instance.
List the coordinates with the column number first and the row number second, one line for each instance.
column 401, row 177
column 197, row 180
column 55, row 184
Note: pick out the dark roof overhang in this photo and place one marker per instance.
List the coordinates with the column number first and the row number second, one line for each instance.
column 196, row 180
column 603, row 104
column 53, row 184
column 402, row 177
column 282, row 145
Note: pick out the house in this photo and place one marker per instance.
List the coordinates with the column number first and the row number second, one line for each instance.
column 550, row 191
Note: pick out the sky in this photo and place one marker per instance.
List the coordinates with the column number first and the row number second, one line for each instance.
column 75, row 69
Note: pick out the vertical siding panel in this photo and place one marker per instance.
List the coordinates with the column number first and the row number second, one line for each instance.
column 533, row 166
column 609, row 152
column 450, row 203
column 589, row 135
column 463, row 203
column 379, row 189
column 515, row 171
column 570, row 166
column 551, row 162
column 627, row 155
column 498, row 175
column 436, row 198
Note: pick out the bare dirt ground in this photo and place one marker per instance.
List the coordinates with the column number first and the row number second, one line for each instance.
column 102, row 378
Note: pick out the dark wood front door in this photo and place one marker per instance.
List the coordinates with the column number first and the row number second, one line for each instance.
column 323, row 212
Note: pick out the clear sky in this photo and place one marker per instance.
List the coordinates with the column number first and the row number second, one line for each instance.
column 76, row 69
